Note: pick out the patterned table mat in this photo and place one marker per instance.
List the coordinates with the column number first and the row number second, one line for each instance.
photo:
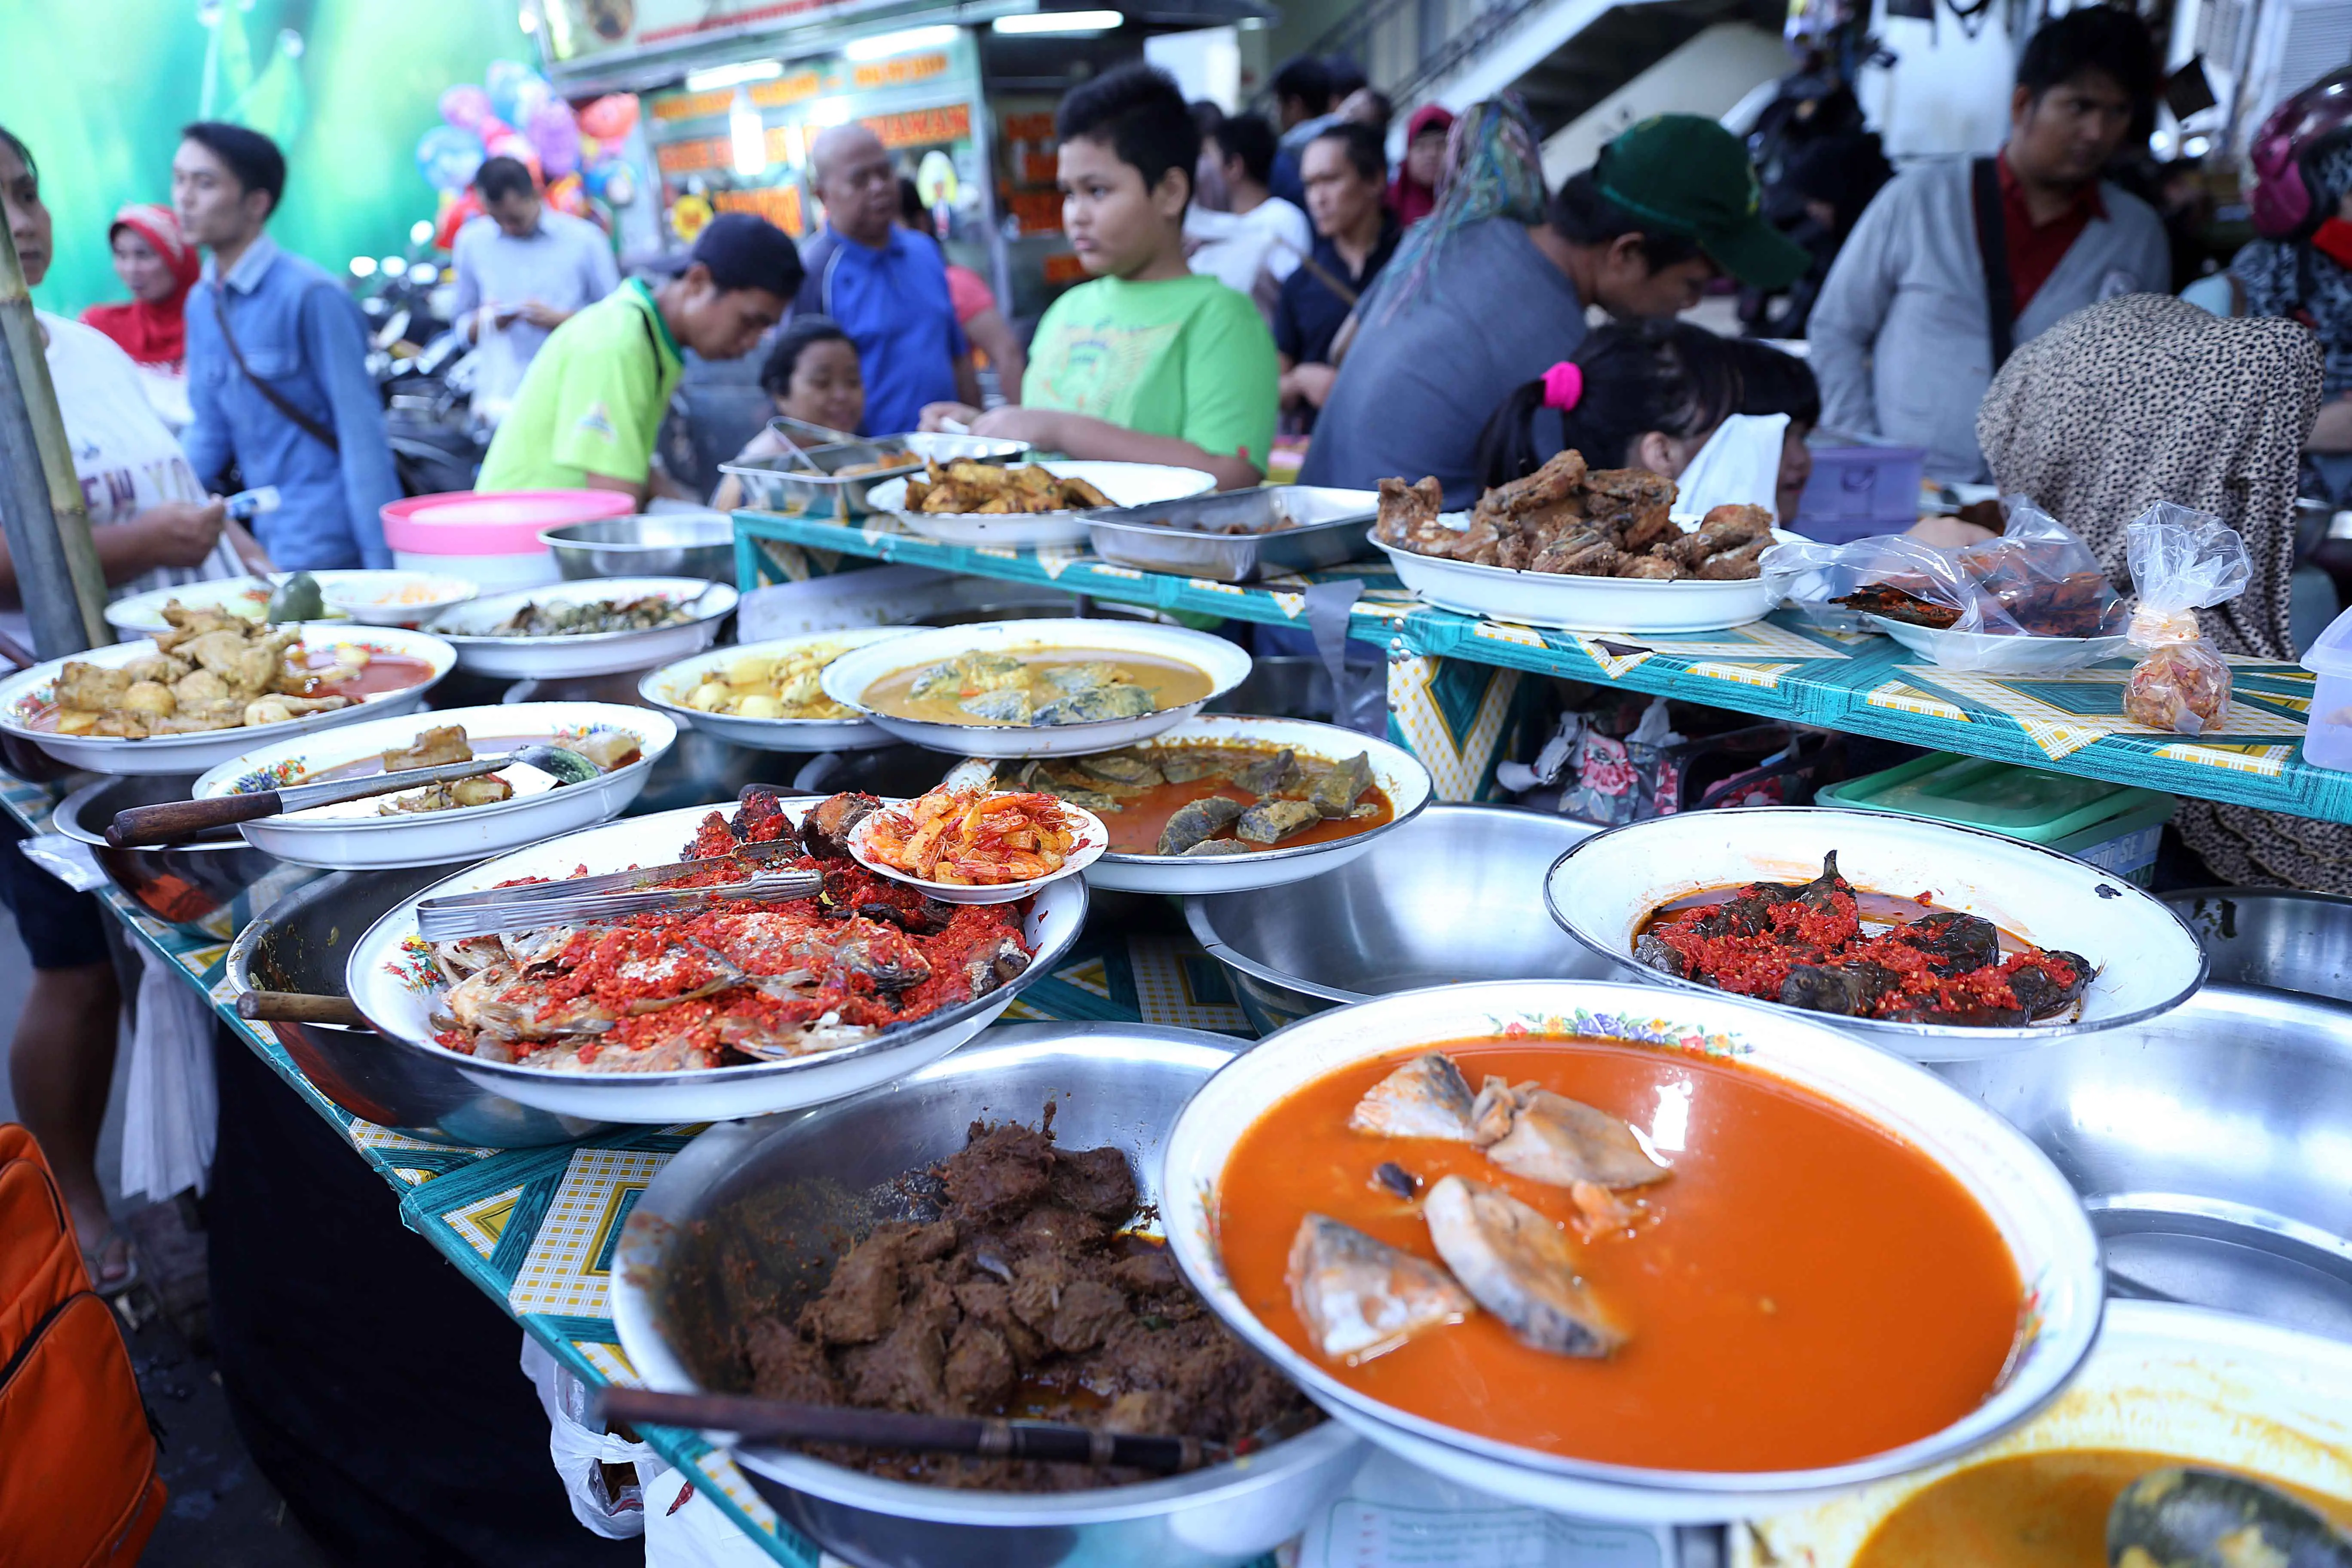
column 1455, row 681
column 535, row 1228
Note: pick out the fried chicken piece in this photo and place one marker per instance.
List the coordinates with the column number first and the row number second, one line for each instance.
column 1409, row 513
column 187, row 624
column 1578, row 547
column 1547, row 486
column 1685, row 550
column 1656, row 568
column 1636, row 489
column 90, row 687
column 1732, row 526
column 1735, row 565
column 1652, row 527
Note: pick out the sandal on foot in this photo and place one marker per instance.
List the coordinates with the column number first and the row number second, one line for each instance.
column 93, row 1259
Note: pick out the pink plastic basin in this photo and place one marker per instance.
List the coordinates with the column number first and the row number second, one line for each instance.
column 507, row 523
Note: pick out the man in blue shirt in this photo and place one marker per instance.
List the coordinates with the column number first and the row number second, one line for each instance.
column 886, row 285
column 277, row 363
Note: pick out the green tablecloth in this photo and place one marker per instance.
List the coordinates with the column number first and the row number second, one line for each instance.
column 1452, row 677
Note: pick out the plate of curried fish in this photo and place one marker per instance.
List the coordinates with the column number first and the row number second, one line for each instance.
column 1940, row 943
column 1034, row 688
column 714, row 1007
column 1225, row 803
column 593, row 626
column 212, row 687
column 462, row 820
column 966, row 501
column 1630, row 1254
column 1579, row 549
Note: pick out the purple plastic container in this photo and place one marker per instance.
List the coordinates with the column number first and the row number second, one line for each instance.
column 1858, row 491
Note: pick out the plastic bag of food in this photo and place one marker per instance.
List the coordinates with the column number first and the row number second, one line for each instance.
column 2035, row 580
column 2182, row 561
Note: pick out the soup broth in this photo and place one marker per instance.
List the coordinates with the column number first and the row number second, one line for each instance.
column 2030, row 1510
column 1810, row 1288
column 1061, row 684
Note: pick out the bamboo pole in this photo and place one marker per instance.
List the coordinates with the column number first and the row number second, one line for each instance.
column 57, row 575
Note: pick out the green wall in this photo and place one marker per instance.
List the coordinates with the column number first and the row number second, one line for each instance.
column 98, row 89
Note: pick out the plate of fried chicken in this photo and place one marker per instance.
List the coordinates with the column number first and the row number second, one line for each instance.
column 1578, row 549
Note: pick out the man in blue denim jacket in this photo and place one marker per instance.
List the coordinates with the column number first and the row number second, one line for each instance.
column 277, row 363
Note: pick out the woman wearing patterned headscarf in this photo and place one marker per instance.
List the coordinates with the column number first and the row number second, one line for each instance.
column 2146, row 398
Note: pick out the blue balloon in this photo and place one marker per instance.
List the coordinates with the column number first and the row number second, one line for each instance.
column 447, row 157
column 515, row 91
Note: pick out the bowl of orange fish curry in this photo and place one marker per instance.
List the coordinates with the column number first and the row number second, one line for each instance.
column 1627, row 1255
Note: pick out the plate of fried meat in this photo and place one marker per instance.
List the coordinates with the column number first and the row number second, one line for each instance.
column 1035, row 504
column 1579, row 549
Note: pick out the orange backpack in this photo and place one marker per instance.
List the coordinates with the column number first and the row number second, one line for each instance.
column 78, row 1488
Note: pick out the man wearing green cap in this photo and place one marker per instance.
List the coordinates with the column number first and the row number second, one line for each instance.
column 1956, row 262
column 1670, row 202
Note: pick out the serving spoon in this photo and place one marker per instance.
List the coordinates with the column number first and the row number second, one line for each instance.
column 175, row 820
column 981, row 1437
column 2184, row 1518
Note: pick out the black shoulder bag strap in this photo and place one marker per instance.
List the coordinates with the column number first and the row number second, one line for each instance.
column 302, row 421
column 1992, row 245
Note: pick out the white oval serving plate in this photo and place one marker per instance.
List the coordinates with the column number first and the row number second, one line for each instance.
column 593, row 653
column 139, row 615
column 668, row 687
column 1987, row 653
column 22, row 693
column 1628, row 605
column 1127, row 484
column 847, row 678
column 392, row 980
column 1604, row 890
column 2049, row 1237
column 348, row 838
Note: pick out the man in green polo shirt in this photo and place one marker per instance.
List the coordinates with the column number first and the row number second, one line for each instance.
column 589, row 408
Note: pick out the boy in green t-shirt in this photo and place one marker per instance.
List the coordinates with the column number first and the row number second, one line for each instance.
column 1147, row 362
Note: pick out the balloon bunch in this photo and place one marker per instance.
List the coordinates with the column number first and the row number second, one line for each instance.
column 515, row 112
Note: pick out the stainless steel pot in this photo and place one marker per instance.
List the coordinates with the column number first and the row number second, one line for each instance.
column 1236, row 536
column 2212, row 1147
column 1456, row 894
column 649, row 544
column 2277, row 937
column 180, row 884
column 751, row 1214
column 301, row 944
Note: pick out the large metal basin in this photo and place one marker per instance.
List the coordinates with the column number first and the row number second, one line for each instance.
column 749, row 1218
column 648, row 544
column 2277, row 937
column 1456, row 894
column 301, row 944
column 180, row 884
column 2212, row 1147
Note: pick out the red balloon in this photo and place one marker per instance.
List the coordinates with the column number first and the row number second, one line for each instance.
column 610, row 117
column 454, row 216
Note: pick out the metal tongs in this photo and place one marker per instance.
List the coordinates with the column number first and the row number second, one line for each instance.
column 532, row 906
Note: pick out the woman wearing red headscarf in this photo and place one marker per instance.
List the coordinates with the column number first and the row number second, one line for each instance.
column 1414, row 193
column 159, row 267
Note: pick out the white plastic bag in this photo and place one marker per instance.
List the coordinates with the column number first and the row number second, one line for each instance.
column 580, row 1452
column 684, row 1528
column 170, row 1105
column 2181, row 561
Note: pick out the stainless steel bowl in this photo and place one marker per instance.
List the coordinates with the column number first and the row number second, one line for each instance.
column 2211, row 1145
column 747, row 1217
column 179, row 884
column 650, row 544
column 2276, row 937
column 1236, row 536
column 1456, row 894
column 301, row 944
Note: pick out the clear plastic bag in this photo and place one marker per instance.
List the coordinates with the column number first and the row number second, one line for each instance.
column 2182, row 561
column 2035, row 580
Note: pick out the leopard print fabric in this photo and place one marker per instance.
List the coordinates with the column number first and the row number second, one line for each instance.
column 2145, row 398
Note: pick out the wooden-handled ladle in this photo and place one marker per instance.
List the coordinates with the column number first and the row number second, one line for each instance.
column 175, row 821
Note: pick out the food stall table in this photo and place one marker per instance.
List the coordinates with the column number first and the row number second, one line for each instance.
column 535, row 1228
column 1452, row 679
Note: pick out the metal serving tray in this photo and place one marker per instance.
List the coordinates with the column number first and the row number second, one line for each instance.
column 1284, row 528
column 786, row 484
